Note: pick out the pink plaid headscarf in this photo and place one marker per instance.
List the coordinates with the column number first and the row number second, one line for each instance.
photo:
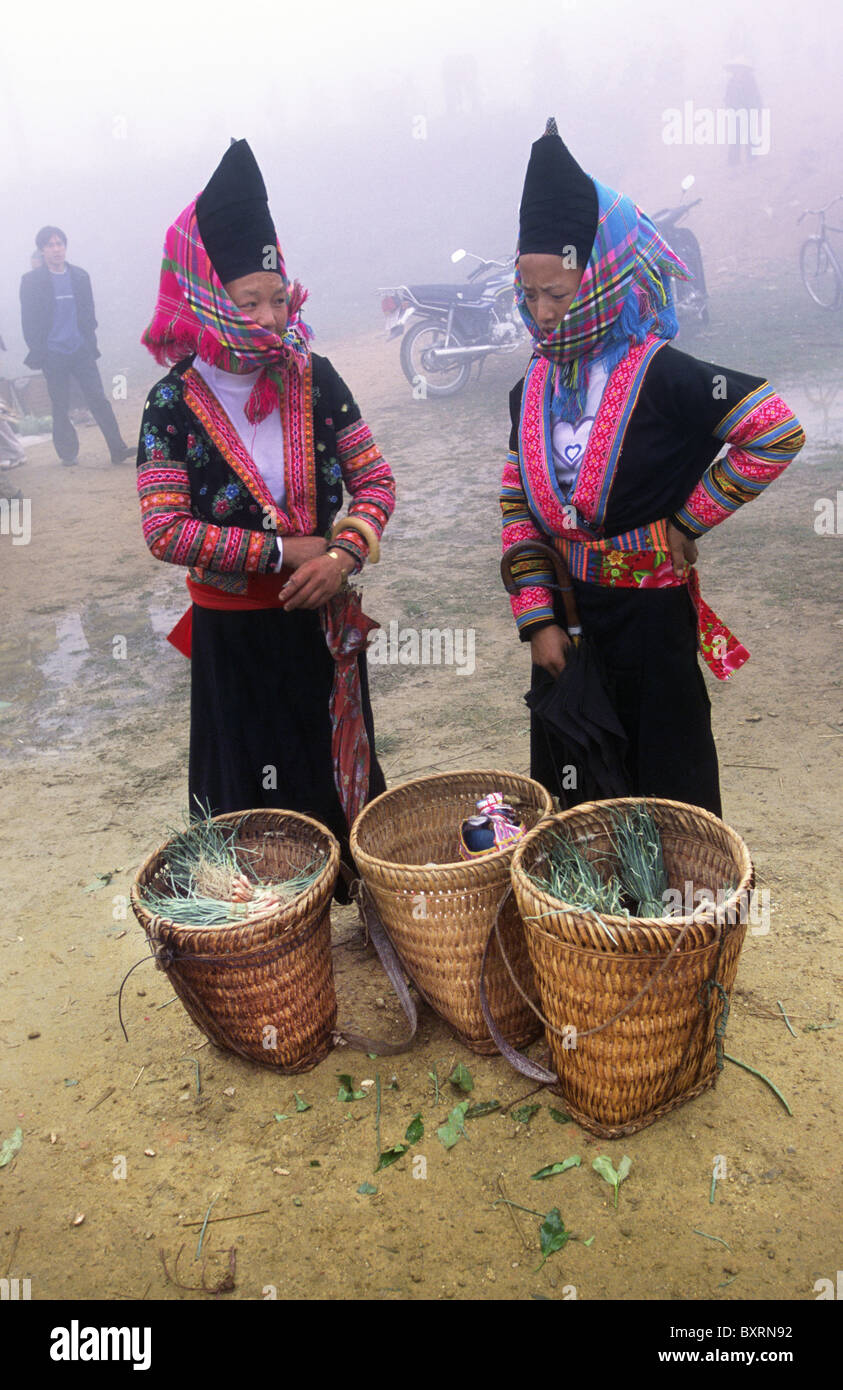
column 195, row 315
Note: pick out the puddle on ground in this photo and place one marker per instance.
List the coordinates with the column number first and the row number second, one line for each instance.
column 75, row 673
column 64, row 664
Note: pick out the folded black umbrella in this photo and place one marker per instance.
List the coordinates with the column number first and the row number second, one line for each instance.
column 580, row 726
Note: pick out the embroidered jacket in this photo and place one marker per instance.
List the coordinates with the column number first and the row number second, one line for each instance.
column 199, row 487
column 651, row 456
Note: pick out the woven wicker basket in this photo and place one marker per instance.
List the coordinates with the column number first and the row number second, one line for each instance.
column 660, row 1047
column 265, row 987
column 437, row 912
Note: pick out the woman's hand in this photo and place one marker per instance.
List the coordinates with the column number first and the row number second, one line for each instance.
column 316, row 580
column 299, row 549
column 548, row 648
column 682, row 549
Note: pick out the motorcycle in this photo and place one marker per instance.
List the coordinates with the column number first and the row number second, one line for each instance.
column 690, row 296
column 454, row 326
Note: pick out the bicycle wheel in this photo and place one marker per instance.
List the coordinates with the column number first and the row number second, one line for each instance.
column 820, row 275
column 432, row 376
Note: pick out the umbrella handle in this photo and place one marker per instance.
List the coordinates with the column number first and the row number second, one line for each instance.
column 563, row 576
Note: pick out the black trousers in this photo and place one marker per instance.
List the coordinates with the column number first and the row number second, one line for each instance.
column 58, row 369
column 647, row 642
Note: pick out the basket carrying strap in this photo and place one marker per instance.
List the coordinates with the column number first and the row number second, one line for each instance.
column 516, row 1059
column 392, row 965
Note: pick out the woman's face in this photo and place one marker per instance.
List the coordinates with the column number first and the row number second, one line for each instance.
column 261, row 296
column 549, row 288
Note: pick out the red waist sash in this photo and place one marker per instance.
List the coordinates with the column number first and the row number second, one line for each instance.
column 262, row 591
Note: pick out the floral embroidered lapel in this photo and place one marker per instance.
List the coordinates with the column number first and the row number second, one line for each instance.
column 299, row 516
column 605, row 441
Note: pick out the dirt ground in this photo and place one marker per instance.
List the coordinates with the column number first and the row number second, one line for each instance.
column 94, row 753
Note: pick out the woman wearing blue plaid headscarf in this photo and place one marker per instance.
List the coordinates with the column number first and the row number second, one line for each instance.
column 614, row 461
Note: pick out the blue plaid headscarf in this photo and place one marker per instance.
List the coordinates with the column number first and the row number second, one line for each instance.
column 623, row 296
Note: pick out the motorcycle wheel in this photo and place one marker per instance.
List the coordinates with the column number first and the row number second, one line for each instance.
column 436, row 377
column 819, row 275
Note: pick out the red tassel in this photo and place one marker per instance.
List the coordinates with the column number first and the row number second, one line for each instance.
column 298, row 294
column 264, row 399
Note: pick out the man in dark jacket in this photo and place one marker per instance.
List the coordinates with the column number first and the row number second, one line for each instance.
column 57, row 316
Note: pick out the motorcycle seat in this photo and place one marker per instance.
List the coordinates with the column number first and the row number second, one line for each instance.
column 447, row 294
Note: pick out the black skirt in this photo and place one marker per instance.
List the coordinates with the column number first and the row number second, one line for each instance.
column 260, row 730
column 647, row 641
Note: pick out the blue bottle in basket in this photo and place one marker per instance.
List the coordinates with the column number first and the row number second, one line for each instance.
column 477, row 834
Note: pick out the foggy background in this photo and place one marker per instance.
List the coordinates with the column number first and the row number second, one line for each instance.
column 389, row 134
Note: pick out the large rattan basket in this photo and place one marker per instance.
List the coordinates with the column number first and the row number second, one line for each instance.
column 438, row 911
column 635, row 1021
column 265, row 987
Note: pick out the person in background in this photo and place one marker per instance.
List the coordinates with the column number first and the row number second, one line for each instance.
column 246, row 446
column 742, row 94
column 615, row 462
column 59, row 326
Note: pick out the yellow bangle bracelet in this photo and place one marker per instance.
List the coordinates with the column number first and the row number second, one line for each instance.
column 364, row 529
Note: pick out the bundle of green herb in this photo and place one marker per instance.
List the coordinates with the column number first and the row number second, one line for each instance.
column 641, row 860
column 574, row 878
column 636, row 879
column 209, row 882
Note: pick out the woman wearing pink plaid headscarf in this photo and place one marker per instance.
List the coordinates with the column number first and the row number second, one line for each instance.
column 245, row 448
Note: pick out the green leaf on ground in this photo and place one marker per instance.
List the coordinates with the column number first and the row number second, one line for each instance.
column 366, row 1189
column 415, row 1130
column 101, row 880
column 560, row 1116
column 483, row 1107
column 523, row 1114
column 282, row 1117
column 613, row 1176
column 301, row 1104
column 454, row 1127
column 346, row 1090
column 391, row 1156
column 461, row 1078
column 10, row 1147
column 552, row 1235
column 553, row 1168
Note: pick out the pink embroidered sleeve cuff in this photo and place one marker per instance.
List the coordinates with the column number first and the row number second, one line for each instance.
column 765, row 436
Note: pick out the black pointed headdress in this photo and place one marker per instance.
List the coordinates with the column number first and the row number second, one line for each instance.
column 233, row 215
column 559, row 202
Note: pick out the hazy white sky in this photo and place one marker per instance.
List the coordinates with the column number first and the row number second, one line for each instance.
column 67, row 70
column 113, row 114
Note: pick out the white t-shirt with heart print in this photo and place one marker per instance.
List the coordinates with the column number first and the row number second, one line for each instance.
column 569, row 441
